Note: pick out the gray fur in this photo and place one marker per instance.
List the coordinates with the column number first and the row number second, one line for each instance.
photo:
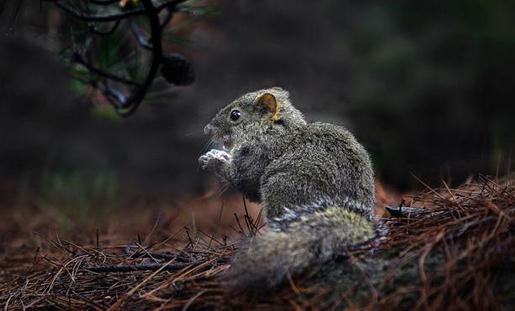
column 314, row 180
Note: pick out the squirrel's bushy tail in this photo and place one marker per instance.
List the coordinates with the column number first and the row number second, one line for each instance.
column 300, row 246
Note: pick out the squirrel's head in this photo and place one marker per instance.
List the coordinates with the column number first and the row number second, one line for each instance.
column 254, row 114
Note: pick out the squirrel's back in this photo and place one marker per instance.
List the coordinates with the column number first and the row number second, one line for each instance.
column 325, row 166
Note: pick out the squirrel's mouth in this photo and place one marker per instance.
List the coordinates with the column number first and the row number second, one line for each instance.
column 223, row 142
column 227, row 145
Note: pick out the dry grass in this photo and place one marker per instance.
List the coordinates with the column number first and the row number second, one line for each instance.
column 448, row 251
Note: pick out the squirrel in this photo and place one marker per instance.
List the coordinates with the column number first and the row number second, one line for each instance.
column 314, row 180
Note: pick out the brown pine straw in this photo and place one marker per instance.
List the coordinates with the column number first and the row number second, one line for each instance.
column 447, row 249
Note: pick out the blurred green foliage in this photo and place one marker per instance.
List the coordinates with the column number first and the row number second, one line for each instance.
column 79, row 195
column 431, row 86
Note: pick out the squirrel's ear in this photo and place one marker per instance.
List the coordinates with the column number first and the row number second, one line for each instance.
column 283, row 92
column 270, row 103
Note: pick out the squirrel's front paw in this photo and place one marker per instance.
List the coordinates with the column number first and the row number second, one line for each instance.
column 213, row 158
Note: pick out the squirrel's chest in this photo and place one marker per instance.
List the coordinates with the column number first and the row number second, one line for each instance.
column 249, row 165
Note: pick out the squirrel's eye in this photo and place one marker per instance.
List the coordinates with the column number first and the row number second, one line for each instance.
column 235, row 115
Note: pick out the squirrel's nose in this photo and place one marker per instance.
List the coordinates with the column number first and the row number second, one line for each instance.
column 208, row 130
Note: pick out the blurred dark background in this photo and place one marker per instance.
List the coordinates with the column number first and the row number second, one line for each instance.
column 428, row 88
